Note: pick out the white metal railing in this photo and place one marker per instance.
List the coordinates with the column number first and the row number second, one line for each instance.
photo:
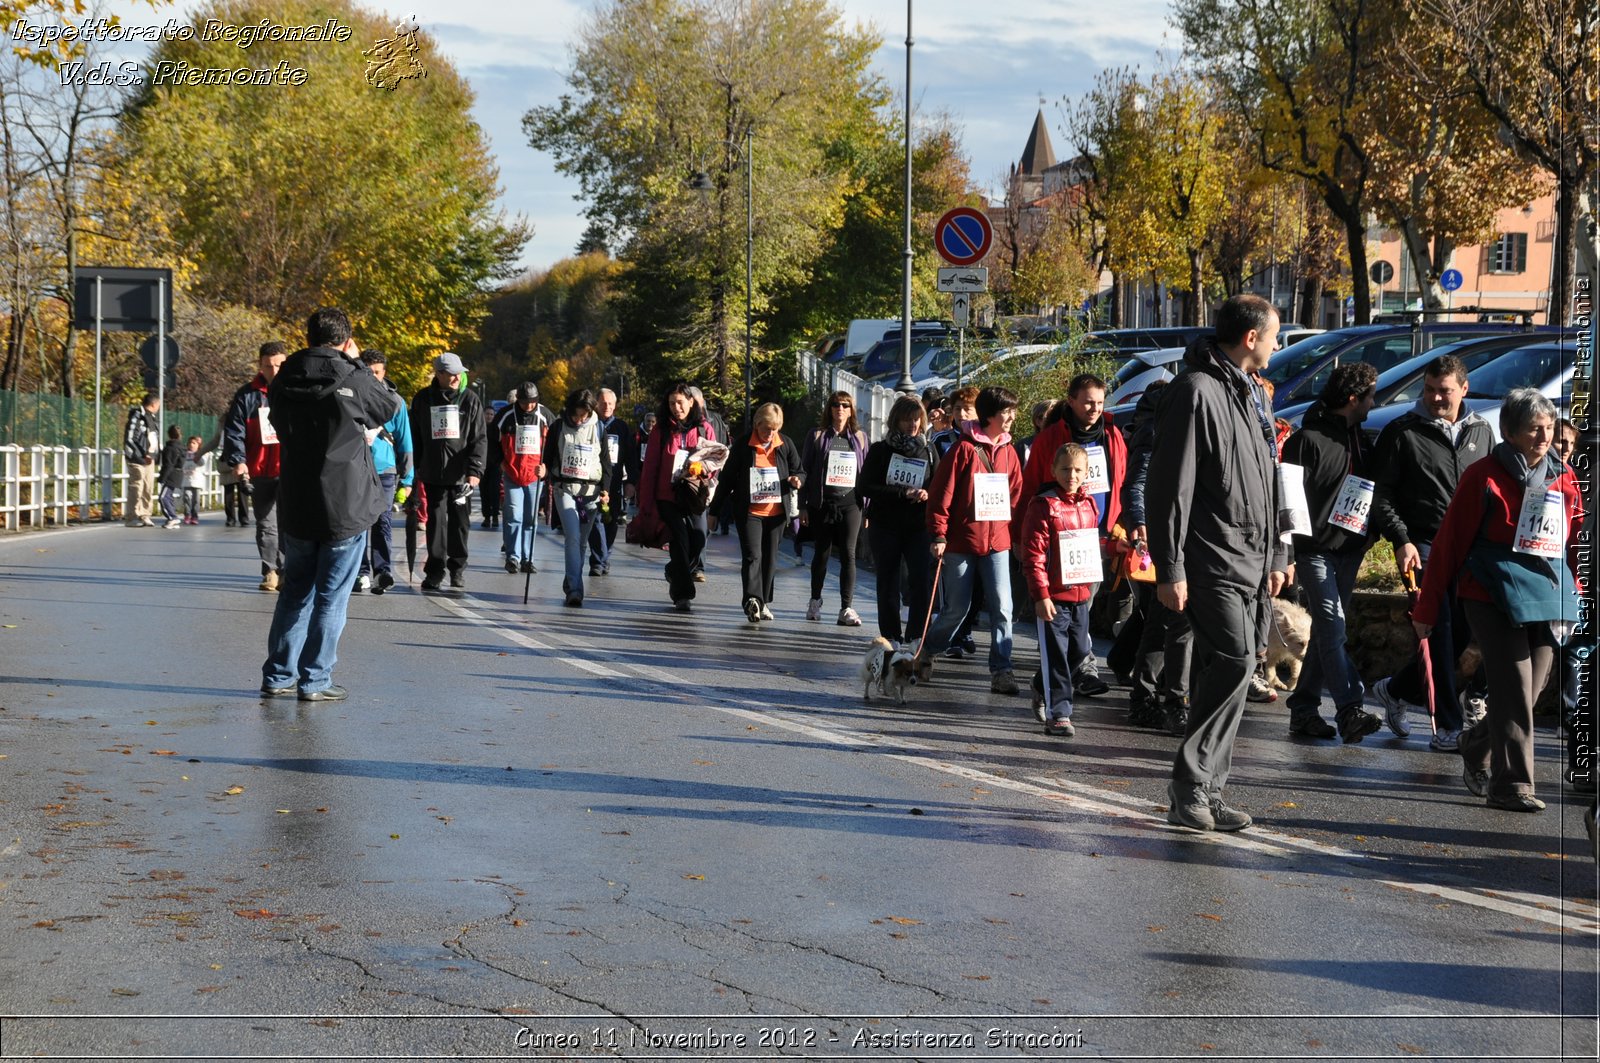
column 49, row 486
column 873, row 401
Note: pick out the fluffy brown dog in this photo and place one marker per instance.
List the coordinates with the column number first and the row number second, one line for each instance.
column 1287, row 641
column 889, row 669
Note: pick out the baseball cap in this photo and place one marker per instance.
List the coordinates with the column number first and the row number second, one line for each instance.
column 527, row 391
column 448, row 362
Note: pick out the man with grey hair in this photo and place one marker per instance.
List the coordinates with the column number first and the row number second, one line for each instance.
column 624, row 475
column 1211, row 504
column 449, row 436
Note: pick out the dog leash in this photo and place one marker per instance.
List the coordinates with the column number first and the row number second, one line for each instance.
column 928, row 619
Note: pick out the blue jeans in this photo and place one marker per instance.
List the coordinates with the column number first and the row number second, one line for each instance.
column 379, row 555
column 1329, row 579
column 520, row 516
column 312, row 599
column 575, row 529
column 960, row 570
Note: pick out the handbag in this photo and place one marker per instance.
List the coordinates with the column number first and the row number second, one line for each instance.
column 648, row 530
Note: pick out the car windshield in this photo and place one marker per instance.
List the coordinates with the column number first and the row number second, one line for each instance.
column 1297, row 358
column 884, row 358
column 1529, row 367
column 1129, row 370
column 943, row 362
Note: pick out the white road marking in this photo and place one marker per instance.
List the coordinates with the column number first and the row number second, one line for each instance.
column 1078, row 796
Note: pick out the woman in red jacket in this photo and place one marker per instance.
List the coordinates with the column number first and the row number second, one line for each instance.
column 1061, row 564
column 1513, row 520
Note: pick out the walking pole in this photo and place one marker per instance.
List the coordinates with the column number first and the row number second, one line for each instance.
column 533, row 541
column 1424, row 651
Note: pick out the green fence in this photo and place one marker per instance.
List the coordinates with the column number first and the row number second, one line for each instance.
column 43, row 419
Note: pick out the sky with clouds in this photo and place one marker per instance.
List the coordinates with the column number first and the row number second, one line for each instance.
column 986, row 64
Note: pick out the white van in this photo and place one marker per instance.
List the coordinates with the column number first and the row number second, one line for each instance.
column 864, row 333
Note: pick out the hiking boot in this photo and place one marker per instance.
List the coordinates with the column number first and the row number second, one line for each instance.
column 1003, row 682
column 1394, row 709
column 814, row 609
column 1175, row 718
column 1227, row 818
column 1446, row 741
column 1356, row 724
column 1313, row 727
column 1188, row 806
column 849, row 618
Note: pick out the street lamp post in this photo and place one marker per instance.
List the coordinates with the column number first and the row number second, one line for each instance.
column 701, row 182
column 906, row 384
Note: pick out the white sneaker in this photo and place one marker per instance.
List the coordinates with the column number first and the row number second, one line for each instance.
column 363, row 583
column 1446, row 741
column 1474, row 707
column 814, row 609
column 849, row 618
column 1394, row 710
column 766, row 612
column 174, row 523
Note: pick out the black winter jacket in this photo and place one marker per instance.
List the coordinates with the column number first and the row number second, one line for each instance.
column 448, row 461
column 1417, row 472
column 322, row 405
column 139, row 443
column 1211, row 505
column 891, row 509
column 1329, row 449
column 1141, row 437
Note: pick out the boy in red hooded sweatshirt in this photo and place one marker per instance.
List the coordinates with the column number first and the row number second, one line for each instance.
column 1060, row 543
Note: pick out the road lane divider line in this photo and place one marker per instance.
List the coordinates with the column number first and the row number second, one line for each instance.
column 1079, row 796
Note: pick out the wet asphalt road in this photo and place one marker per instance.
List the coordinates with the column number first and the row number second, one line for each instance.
column 623, row 833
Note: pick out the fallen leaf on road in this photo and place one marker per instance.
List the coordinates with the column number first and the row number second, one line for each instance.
column 234, row 790
column 1155, row 929
column 696, row 878
column 1288, row 804
column 1208, row 915
column 11, row 625
column 125, row 992
column 283, row 811
column 208, row 989
column 394, row 837
column 976, row 977
column 903, row 921
column 163, row 753
column 255, row 913
column 216, row 966
column 1413, row 1049
column 703, row 763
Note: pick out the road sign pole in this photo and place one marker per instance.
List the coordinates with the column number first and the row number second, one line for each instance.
column 161, row 357
column 961, row 354
column 906, row 385
column 101, row 464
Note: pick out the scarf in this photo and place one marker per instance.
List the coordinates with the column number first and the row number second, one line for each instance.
column 904, row 445
column 1094, row 435
column 1534, row 478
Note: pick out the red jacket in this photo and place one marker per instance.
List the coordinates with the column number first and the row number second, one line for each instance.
column 1040, row 472
column 1487, row 502
column 1046, row 516
column 665, row 440
column 951, row 495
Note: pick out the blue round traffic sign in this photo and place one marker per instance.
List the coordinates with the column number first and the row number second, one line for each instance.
column 1450, row 279
column 963, row 236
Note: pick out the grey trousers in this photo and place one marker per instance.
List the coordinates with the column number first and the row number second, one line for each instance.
column 1225, row 624
column 1518, row 669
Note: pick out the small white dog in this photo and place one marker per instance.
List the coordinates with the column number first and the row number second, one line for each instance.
column 1287, row 641
column 888, row 668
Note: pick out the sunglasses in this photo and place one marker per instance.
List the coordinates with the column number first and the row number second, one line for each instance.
column 840, row 406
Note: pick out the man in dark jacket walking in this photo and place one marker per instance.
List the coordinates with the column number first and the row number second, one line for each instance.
column 1420, row 459
column 1334, row 461
column 141, row 444
column 325, row 408
column 450, row 438
column 1211, row 505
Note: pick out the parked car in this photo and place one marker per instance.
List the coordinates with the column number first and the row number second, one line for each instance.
column 1299, row 371
column 1147, row 367
column 978, row 363
column 1403, row 383
column 882, row 361
column 863, row 333
column 1547, row 366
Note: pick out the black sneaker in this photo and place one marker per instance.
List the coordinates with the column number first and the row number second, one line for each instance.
column 969, row 647
column 511, row 566
column 458, row 581
column 1091, row 686
column 383, row 582
column 527, row 567
column 1356, row 724
column 333, row 693
column 594, row 570
column 1175, row 718
column 1313, row 727
column 433, row 583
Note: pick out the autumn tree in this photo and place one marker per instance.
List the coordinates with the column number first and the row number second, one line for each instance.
column 1102, row 128
column 331, row 192
column 662, row 90
column 1534, row 67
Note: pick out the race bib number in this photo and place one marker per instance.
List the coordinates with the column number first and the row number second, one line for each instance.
column 613, row 443
column 841, row 470
column 1294, row 513
column 269, row 434
column 1353, row 507
column 1078, row 553
column 527, row 439
column 446, row 422
column 991, row 496
column 644, row 450
column 1098, row 481
column 907, row 472
column 765, row 488
column 1541, row 526
column 581, row 462
column 680, row 459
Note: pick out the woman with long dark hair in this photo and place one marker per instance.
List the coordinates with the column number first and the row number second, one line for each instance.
column 679, row 428
column 833, row 456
